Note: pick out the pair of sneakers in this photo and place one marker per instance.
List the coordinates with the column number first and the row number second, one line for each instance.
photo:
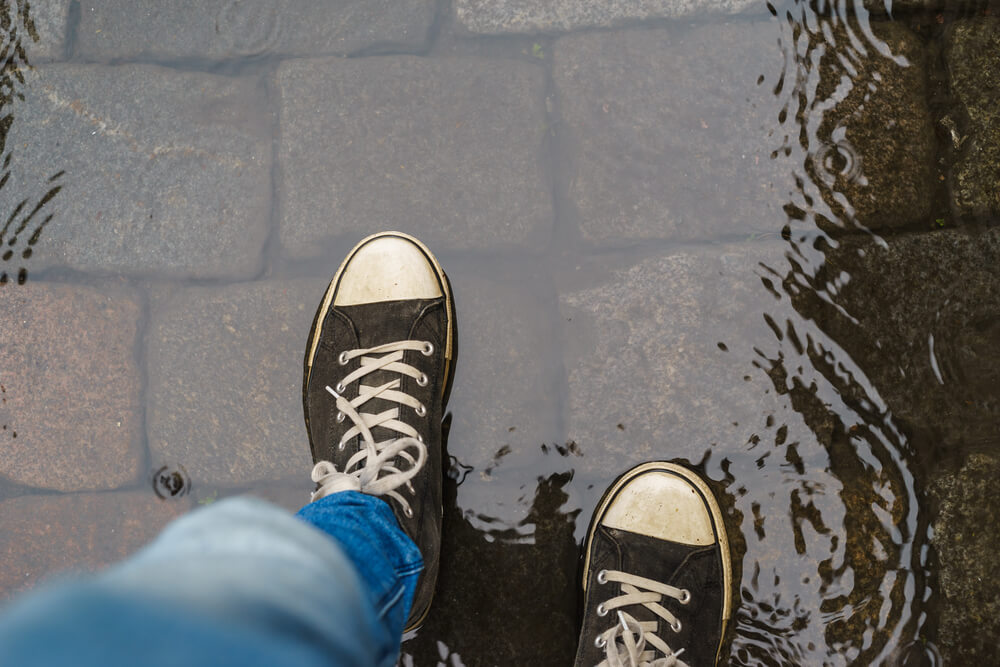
column 378, row 368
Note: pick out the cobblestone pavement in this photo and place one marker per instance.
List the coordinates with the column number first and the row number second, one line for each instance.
column 757, row 237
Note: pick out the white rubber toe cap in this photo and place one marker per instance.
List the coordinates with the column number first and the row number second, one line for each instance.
column 663, row 506
column 388, row 268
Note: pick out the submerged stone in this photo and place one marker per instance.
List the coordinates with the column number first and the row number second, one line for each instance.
column 972, row 54
column 128, row 29
column 449, row 150
column 139, row 169
column 69, row 387
column 967, row 539
column 530, row 16
column 732, row 142
column 225, row 381
column 507, row 373
column 45, row 536
column 41, row 29
column 919, row 315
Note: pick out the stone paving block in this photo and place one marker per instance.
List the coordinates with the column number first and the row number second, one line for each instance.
column 506, row 380
column 39, row 27
column 530, row 16
column 69, row 387
column 972, row 54
column 646, row 374
column 225, row 381
column 449, row 150
column 920, row 316
column 966, row 537
column 697, row 149
column 44, row 536
column 128, row 29
column 145, row 170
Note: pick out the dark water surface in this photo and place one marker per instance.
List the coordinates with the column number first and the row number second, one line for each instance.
column 765, row 244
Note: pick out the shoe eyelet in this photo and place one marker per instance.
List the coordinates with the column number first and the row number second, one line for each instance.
column 428, row 349
column 600, row 642
column 408, row 511
column 421, row 411
column 340, row 388
column 423, row 380
column 676, row 627
column 602, row 610
column 343, row 358
column 685, row 596
column 420, row 438
column 341, row 445
column 340, row 417
column 602, row 577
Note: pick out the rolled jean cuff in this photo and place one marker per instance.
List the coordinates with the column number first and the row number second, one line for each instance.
column 387, row 560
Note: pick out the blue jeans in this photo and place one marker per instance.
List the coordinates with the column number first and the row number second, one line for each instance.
column 240, row 582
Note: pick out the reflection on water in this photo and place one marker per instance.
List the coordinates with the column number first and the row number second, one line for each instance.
column 835, row 566
column 832, row 534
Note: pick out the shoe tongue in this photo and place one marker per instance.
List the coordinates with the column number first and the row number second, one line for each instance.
column 384, row 322
column 377, row 324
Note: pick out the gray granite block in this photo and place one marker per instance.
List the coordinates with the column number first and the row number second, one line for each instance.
column 647, row 377
column 142, row 169
column 530, row 16
column 40, row 28
column 43, row 537
column 225, row 381
column 966, row 537
column 972, row 54
column 505, row 393
column 667, row 136
column 128, row 29
column 919, row 314
column 449, row 150
column 69, row 387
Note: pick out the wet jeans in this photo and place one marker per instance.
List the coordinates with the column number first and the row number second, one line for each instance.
column 240, row 582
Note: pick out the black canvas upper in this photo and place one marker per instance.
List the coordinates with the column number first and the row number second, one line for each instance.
column 369, row 325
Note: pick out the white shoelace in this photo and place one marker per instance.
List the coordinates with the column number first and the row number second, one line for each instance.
column 371, row 470
column 625, row 644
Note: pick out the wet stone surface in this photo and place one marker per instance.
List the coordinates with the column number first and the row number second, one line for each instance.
column 691, row 151
column 225, row 381
column 44, row 35
column 146, row 170
column 972, row 52
column 531, row 16
column 965, row 536
column 69, row 387
column 42, row 537
column 638, row 386
column 449, row 150
column 930, row 303
column 116, row 29
column 505, row 393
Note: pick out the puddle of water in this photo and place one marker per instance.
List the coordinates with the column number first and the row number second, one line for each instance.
column 824, row 486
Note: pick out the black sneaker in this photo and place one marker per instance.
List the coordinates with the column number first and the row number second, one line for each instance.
column 378, row 367
column 656, row 575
